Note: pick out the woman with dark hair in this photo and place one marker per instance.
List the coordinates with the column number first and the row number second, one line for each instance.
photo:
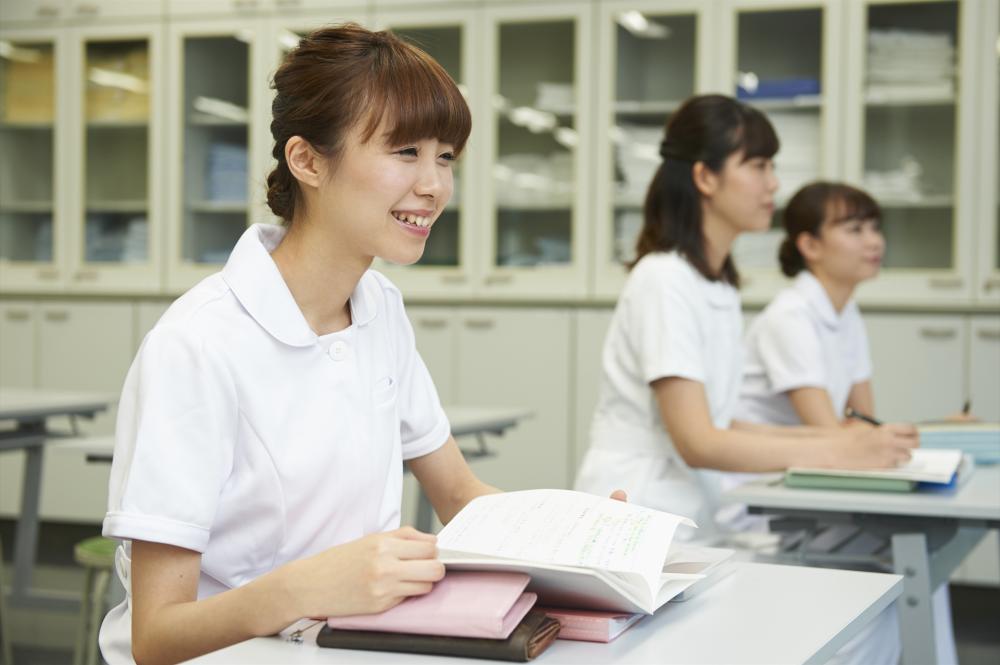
column 806, row 354
column 672, row 359
column 263, row 425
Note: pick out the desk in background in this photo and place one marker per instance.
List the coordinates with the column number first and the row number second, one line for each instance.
column 760, row 614
column 931, row 532
column 466, row 421
column 30, row 410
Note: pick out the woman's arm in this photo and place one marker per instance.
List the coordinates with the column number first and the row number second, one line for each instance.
column 861, row 398
column 446, row 478
column 364, row 576
column 814, row 407
column 685, row 414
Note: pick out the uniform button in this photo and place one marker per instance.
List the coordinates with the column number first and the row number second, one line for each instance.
column 338, row 350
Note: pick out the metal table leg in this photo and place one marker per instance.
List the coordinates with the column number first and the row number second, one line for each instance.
column 916, row 612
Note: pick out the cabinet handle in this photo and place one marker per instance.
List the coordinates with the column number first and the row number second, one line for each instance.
column 48, row 274
column 992, row 283
column 57, row 315
column 945, row 282
column 48, row 11
column 85, row 275
column 289, row 3
column 480, row 324
column 938, row 333
column 502, row 278
column 245, row 4
column 18, row 314
column 989, row 333
column 87, row 10
column 454, row 279
column 432, row 324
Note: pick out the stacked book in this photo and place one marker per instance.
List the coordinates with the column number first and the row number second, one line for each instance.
column 979, row 440
column 927, row 469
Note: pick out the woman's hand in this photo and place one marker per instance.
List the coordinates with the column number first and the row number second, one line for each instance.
column 366, row 576
column 880, row 447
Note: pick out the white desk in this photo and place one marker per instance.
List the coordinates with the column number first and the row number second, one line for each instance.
column 931, row 533
column 29, row 411
column 760, row 614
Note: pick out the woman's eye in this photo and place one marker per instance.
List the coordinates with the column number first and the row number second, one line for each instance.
column 409, row 152
column 447, row 156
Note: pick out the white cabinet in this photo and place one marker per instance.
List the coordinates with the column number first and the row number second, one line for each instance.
column 436, row 332
column 590, row 330
column 651, row 56
column 911, row 140
column 33, row 11
column 18, row 344
column 535, row 207
column 519, row 357
column 919, row 361
column 984, row 366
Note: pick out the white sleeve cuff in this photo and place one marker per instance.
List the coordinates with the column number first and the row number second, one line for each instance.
column 130, row 526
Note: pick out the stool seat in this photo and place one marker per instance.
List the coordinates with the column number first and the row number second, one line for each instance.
column 97, row 556
column 96, row 552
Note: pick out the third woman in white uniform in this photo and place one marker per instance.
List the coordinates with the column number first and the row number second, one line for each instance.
column 806, row 356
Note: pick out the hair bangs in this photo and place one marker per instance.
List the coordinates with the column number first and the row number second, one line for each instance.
column 754, row 135
column 846, row 203
column 414, row 98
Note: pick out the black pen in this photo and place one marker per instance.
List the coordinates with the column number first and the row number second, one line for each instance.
column 851, row 413
column 966, row 407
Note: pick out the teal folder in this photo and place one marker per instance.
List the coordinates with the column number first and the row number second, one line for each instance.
column 828, row 482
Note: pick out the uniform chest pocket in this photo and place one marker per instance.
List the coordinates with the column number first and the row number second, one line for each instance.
column 384, row 392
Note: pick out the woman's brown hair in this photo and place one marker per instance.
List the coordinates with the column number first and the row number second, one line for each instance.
column 345, row 76
column 810, row 207
column 707, row 129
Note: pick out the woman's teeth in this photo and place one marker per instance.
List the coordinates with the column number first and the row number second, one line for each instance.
column 414, row 220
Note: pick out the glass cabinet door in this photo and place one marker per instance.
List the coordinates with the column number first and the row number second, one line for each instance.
column 989, row 253
column 539, row 112
column 442, row 270
column 780, row 65
column 28, row 131
column 910, row 126
column 115, row 168
column 651, row 66
column 212, row 100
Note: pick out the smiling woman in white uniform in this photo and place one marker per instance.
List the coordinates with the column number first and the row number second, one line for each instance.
column 807, row 356
column 257, row 473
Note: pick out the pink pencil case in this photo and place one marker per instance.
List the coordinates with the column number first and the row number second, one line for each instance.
column 462, row 604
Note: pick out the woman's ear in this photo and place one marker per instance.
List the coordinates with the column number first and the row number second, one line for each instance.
column 303, row 161
column 809, row 246
column 706, row 181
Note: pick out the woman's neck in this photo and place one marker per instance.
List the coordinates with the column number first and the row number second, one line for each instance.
column 321, row 275
column 718, row 236
column 837, row 291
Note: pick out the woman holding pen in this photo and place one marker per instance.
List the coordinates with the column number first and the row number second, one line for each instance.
column 806, row 358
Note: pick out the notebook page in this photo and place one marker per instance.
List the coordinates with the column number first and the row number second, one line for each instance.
column 567, row 528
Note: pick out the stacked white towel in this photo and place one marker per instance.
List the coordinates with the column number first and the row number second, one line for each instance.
column 910, row 65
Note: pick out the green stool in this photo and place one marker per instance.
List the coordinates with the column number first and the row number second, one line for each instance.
column 97, row 555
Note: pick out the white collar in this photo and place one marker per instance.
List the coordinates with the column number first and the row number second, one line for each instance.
column 257, row 283
column 818, row 299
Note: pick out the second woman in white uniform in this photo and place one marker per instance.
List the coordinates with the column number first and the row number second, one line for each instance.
column 807, row 357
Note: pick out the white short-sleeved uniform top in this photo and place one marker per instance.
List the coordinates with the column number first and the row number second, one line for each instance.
column 243, row 435
column 669, row 321
column 801, row 341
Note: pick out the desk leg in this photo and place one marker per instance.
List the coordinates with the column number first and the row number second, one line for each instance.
column 916, row 612
column 26, row 536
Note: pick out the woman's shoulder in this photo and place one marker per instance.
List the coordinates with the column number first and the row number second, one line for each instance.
column 202, row 312
column 664, row 268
